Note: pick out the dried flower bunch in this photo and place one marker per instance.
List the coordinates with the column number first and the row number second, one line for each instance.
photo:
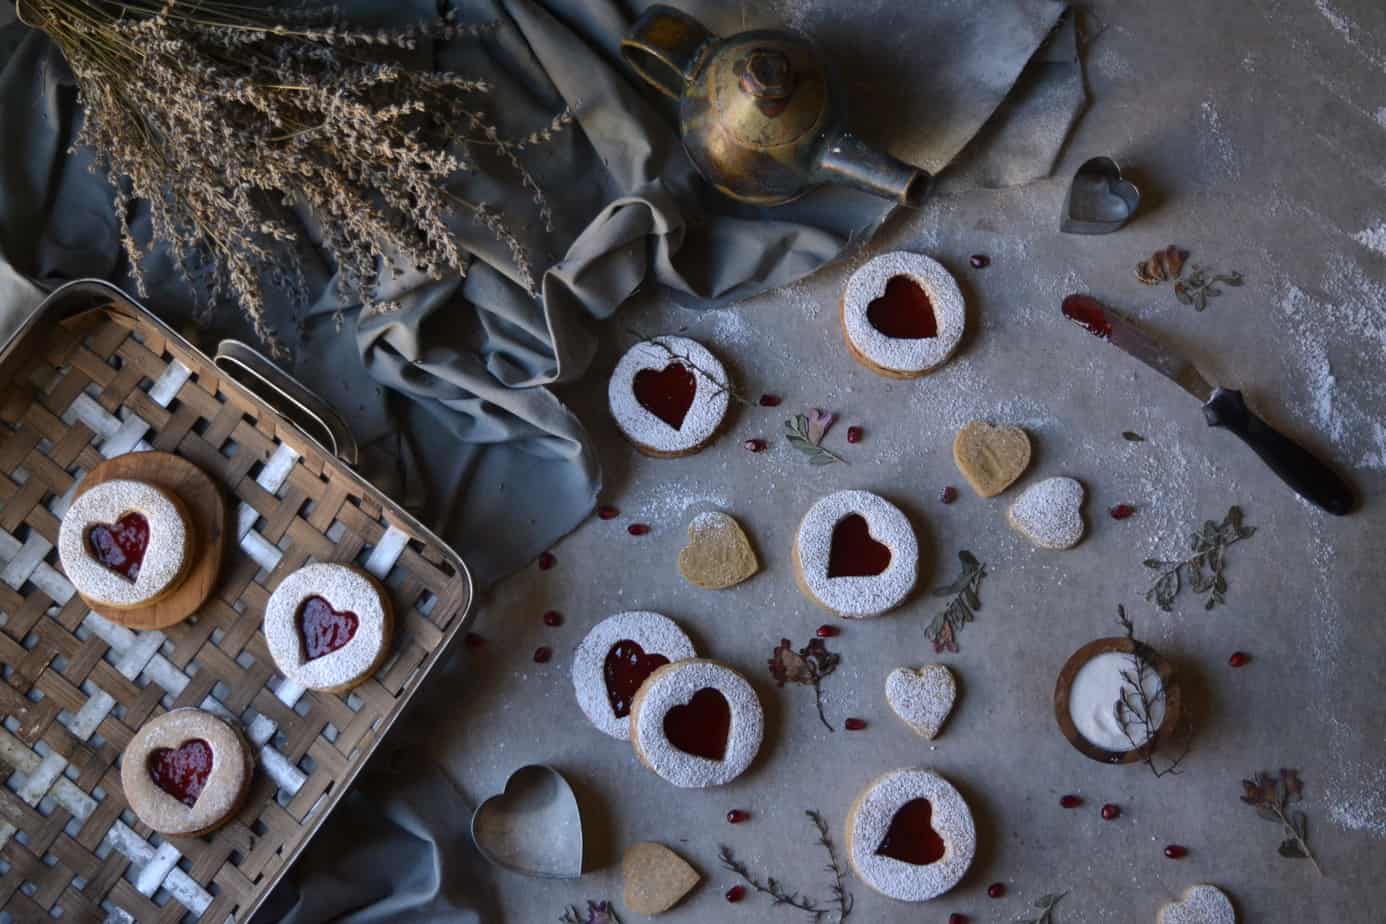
column 225, row 116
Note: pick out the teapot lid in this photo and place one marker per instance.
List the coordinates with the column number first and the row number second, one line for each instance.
column 768, row 88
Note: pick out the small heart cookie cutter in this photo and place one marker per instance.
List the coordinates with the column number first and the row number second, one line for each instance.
column 1100, row 200
column 533, row 826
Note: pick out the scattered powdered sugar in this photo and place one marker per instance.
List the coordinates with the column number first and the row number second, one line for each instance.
column 1093, row 695
column 705, row 414
column 856, row 597
column 898, row 354
column 870, row 821
column 1350, row 31
column 1381, row 116
column 729, row 326
column 674, row 685
column 672, row 497
column 165, row 553
column 922, row 698
column 1214, row 140
column 1373, row 238
column 1201, row 904
column 653, row 632
column 345, row 589
column 1050, row 513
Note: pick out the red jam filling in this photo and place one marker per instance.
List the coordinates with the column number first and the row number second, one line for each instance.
column 853, row 552
column 182, row 772
column 666, row 393
column 324, row 629
column 912, row 838
column 1087, row 313
column 700, row 728
column 903, row 312
column 626, row 667
column 120, row 546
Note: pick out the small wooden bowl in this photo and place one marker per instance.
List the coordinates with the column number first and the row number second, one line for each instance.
column 1121, row 645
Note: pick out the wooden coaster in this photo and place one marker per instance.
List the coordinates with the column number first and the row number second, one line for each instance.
column 1064, row 686
column 207, row 508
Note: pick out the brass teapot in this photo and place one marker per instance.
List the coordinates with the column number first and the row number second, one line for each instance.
column 760, row 115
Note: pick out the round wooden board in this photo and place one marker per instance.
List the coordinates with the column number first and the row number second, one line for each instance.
column 205, row 504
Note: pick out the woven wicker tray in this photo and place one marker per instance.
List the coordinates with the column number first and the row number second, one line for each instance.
column 92, row 376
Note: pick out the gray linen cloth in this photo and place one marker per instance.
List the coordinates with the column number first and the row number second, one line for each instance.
column 450, row 396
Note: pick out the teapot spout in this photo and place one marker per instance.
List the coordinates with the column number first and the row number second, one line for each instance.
column 847, row 159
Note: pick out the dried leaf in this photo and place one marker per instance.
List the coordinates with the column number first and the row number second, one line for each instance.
column 1132, row 437
column 943, row 629
column 1290, row 848
column 788, row 666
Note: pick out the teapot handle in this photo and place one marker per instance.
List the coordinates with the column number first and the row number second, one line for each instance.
column 665, row 48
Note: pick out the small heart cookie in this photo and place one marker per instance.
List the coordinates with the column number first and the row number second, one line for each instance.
column 657, row 879
column 1050, row 513
column 991, row 458
column 718, row 554
column 923, row 698
column 1201, row 904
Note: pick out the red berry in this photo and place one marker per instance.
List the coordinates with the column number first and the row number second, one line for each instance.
column 543, row 654
column 737, row 816
column 854, row 434
column 826, row 631
column 547, row 561
column 736, row 893
column 756, row 445
column 996, row 889
column 1110, row 811
column 957, row 919
column 854, row 724
column 637, row 529
column 553, row 618
column 1121, row 511
column 769, row 400
column 1071, row 801
column 1239, row 659
column 949, row 494
column 607, row 512
column 472, row 640
column 1175, row 852
column 979, row 261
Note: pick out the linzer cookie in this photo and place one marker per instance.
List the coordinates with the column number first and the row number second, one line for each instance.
column 186, row 772
column 126, row 544
column 910, row 835
column 902, row 314
column 856, row 554
column 991, row 458
column 696, row 723
column 328, row 626
column 669, row 396
column 616, row 657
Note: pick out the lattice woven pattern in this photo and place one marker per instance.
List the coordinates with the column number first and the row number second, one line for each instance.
column 77, row 687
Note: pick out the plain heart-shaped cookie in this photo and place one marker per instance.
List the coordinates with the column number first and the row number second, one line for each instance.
column 656, row 878
column 923, row 698
column 1050, row 513
column 533, row 827
column 718, row 554
column 1201, row 904
column 991, row 458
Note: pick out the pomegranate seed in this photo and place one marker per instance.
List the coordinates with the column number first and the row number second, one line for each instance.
column 547, row 561
column 737, row 816
column 608, row 512
column 1121, row 511
column 854, row 434
column 827, row 631
column 543, row 654
column 756, row 445
column 979, row 261
column 957, row 919
column 472, row 640
column 949, row 494
column 736, row 893
column 637, row 529
column 1239, row 659
column 1175, row 852
column 1071, row 801
column 1110, row 811
column 854, row 724
column 553, row 618
column 769, row 400
column 996, row 889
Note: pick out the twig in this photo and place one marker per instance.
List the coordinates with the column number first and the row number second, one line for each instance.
column 844, row 899
column 723, row 387
column 770, row 887
column 1135, row 709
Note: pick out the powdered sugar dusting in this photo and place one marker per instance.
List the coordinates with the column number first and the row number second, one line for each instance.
column 225, row 782
column 922, row 698
column 1050, row 513
column 1350, row 31
column 1373, row 238
column 165, row 553
column 1214, row 140
column 653, row 632
column 344, row 588
column 674, row 685
column 705, row 414
column 871, row 818
column 1201, row 904
column 672, row 497
column 898, row 354
column 857, row 596
column 1381, row 116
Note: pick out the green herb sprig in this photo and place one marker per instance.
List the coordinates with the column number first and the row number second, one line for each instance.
column 1201, row 572
column 1045, row 903
column 1272, row 795
column 805, row 433
column 597, row 913
column 943, row 630
column 1202, row 284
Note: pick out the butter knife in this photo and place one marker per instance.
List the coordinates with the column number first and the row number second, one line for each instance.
column 1310, row 478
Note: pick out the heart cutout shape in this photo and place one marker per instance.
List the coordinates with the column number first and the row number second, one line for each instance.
column 718, row 554
column 532, row 827
column 1201, row 904
column 903, row 311
column 702, row 726
column 324, row 629
column 911, row 837
column 854, row 552
column 656, row 878
column 666, row 393
column 1050, row 513
column 923, row 698
column 120, row 546
column 182, row 771
column 991, row 457
column 1100, row 200
column 624, row 670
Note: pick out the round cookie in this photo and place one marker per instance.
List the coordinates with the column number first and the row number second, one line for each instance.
column 902, row 315
column 125, row 544
column 615, row 659
column 186, row 773
column 856, row 554
column 328, row 626
column 696, row 723
column 910, row 835
column 1201, row 904
column 1050, row 513
column 669, row 396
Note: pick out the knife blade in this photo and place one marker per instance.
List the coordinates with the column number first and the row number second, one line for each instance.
column 1222, row 407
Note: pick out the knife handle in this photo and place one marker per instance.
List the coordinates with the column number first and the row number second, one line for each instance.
column 1296, row 466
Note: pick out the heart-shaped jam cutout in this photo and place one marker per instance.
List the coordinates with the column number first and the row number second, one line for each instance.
column 903, row 312
column 120, row 546
column 666, row 393
column 182, row 772
column 854, row 553
column 324, row 629
column 626, row 667
column 701, row 727
column 911, row 837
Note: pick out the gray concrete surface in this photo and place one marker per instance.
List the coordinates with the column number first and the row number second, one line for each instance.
column 1258, row 131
